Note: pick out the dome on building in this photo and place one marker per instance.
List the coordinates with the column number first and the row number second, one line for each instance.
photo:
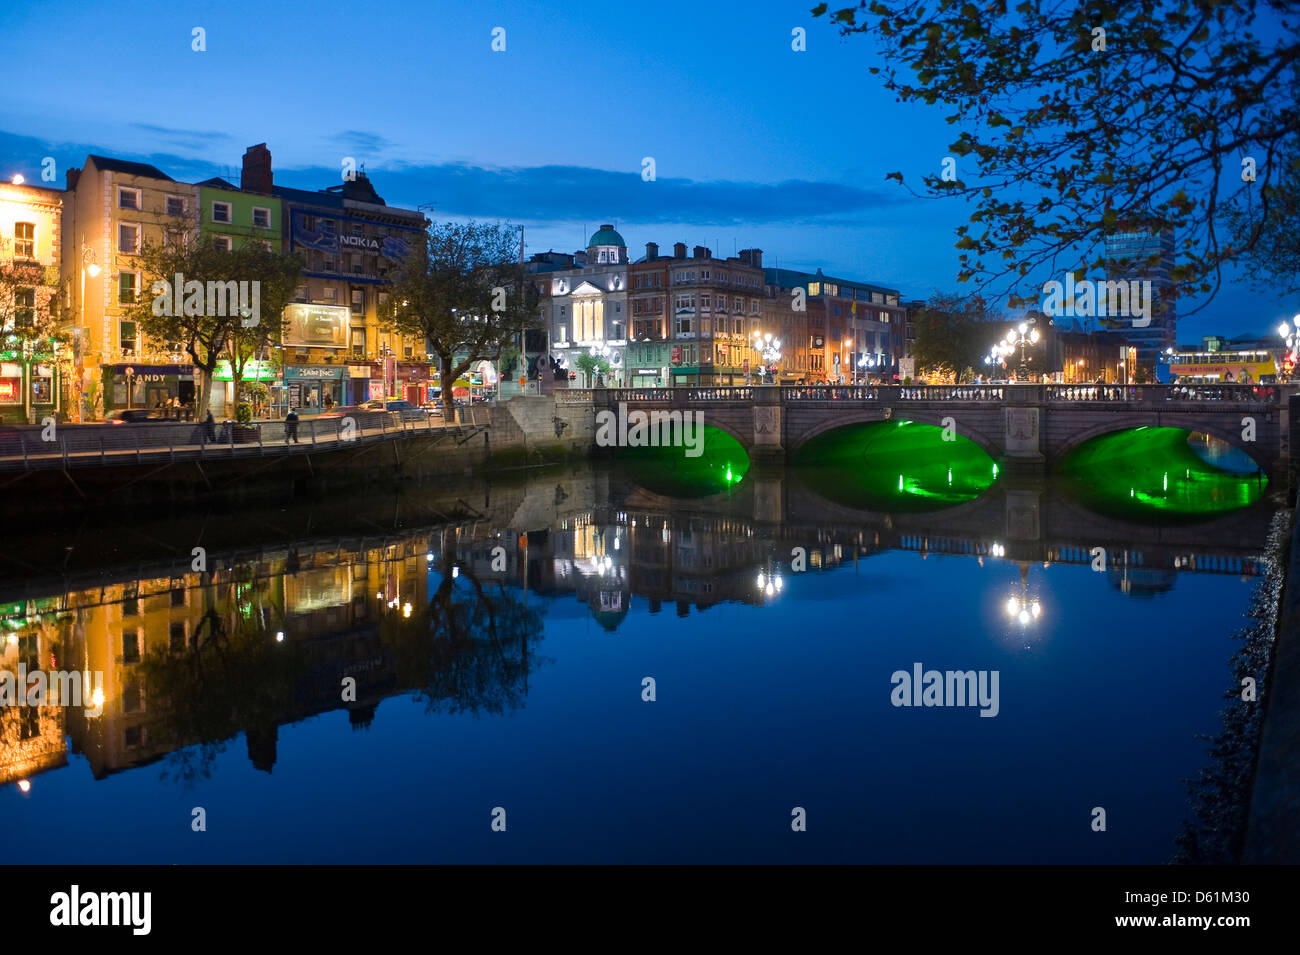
column 606, row 235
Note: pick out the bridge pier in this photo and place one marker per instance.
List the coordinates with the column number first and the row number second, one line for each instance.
column 769, row 426
column 1022, row 431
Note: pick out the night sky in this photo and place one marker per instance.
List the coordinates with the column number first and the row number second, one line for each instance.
column 754, row 144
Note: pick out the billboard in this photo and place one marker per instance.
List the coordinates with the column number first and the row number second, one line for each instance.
column 317, row 326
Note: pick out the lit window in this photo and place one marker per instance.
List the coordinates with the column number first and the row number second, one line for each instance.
column 24, row 240
column 126, row 287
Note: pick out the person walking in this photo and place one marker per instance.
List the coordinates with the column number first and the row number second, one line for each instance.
column 210, row 426
column 291, row 426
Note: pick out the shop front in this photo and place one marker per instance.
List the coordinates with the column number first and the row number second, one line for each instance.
column 29, row 391
column 147, row 386
column 223, row 383
column 394, row 379
column 306, row 387
column 356, row 385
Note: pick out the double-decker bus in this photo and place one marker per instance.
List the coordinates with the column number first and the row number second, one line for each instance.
column 1224, row 367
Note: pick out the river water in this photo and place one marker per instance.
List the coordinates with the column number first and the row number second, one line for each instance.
column 645, row 661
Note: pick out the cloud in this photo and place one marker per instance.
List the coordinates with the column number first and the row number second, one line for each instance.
column 193, row 138
column 357, row 139
column 575, row 193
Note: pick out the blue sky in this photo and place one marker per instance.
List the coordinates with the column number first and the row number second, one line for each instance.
column 754, row 144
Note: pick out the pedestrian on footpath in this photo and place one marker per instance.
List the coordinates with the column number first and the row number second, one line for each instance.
column 291, row 426
column 210, row 426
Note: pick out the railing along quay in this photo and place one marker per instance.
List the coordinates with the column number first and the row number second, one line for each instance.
column 105, row 445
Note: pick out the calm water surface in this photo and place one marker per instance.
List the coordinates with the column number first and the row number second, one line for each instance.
column 492, row 644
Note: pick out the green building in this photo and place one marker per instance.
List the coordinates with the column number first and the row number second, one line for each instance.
column 240, row 217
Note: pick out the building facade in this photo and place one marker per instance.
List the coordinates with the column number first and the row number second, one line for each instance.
column 34, row 363
column 1145, row 256
column 586, row 310
column 113, row 209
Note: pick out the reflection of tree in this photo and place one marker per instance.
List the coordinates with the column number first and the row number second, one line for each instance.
column 230, row 677
column 469, row 648
column 466, row 651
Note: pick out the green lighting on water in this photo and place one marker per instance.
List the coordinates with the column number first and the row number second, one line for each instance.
column 851, row 466
column 1141, row 460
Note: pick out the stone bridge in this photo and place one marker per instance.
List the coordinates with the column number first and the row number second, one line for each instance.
column 1022, row 426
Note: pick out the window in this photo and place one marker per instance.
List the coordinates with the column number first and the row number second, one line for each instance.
column 330, row 264
column 261, row 217
column 178, row 596
column 602, row 256
column 309, row 223
column 126, row 335
column 407, row 351
column 300, row 293
column 131, row 698
column 128, row 198
column 704, row 300
column 682, row 324
column 359, row 342
column 561, row 333
column 24, row 306
column 24, row 240
column 176, row 205
column 131, row 646
column 220, row 212
column 704, row 275
column 132, row 736
column 128, row 238
column 358, row 263
column 327, row 226
column 358, row 301
column 127, row 283
column 356, row 228
column 223, row 242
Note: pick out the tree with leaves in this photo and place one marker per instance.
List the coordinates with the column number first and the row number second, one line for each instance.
column 207, row 333
column 462, row 290
column 1079, row 119
column 954, row 334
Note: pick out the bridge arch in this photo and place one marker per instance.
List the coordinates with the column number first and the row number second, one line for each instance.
column 1230, row 434
column 833, row 422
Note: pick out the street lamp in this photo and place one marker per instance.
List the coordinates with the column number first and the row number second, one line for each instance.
column 769, row 349
column 1292, row 338
column 1020, row 336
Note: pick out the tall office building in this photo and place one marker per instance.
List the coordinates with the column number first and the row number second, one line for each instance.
column 1145, row 256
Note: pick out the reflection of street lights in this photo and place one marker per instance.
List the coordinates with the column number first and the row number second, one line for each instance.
column 769, row 582
column 867, row 363
column 1023, row 608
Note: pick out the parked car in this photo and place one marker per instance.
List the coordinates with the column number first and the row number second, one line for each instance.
column 408, row 411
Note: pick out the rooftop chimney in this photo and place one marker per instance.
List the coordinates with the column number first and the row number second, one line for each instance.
column 651, row 251
column 72, row 175
column 752, row 257
column 256, row 176
column 679, row 250
column 699, row 252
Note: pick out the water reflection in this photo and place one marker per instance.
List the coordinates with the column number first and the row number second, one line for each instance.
column 463, row 615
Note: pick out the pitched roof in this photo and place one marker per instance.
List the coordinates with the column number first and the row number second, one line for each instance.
column 216, row 182
column 106, row 164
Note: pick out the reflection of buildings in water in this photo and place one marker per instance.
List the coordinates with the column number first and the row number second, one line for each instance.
column 324, row 618
column 31, row 737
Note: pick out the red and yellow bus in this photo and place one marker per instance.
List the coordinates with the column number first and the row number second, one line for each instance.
column 1238, row 367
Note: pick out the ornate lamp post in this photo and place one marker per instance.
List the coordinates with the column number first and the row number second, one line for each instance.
column 1292, row 338
column 769, row 349
column 1023, row 608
